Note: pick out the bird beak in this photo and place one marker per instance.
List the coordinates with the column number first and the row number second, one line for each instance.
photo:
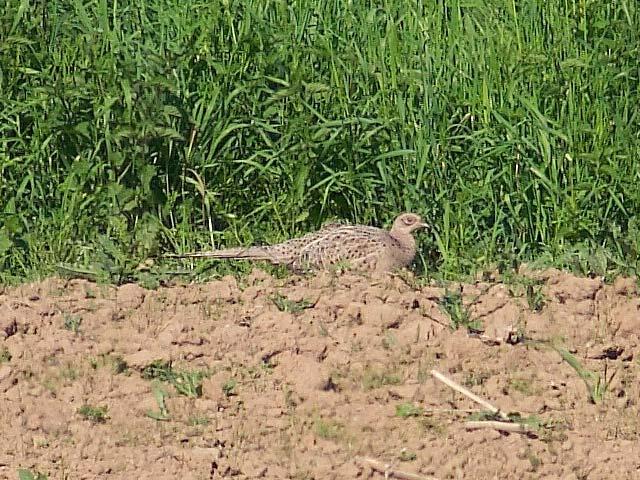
column 424, row 225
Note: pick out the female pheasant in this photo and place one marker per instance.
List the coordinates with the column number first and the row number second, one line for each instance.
column 359, row 247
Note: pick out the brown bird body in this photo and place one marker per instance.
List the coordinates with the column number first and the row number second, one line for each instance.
column 358, row 246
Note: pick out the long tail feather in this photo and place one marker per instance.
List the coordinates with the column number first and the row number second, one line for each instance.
column 249, row 253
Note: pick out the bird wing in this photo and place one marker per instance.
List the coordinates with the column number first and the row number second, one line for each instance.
column 348, row 243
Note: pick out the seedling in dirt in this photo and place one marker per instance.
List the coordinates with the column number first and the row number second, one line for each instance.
column 535, row 298
column 290, row 306
column 451, row 304
column 159, row 394
column 94, row 414
column 158, row 370
column 472, row 379
column 432, row 425
column 423, row 373
column 596, row 385
column 407, row 455
column 24, row 474
column 373, row 379
column 534, row 461
column 523, row 385
column 72, row 322
column 5, row 355
column 229, row 387
column 389, row 341
column 116, row 362
column 405, row 410
column 198, row 420
column 328, row 429
column 529, row 287
column 188, row 383
column 69, row 372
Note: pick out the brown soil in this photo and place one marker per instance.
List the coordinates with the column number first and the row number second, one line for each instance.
column 295, row 392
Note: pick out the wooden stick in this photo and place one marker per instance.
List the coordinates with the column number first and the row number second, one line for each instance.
column 388, row 472
column 459, row 388
column 454, row 411
column 502, row 426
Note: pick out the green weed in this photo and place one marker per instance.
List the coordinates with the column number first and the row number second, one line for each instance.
column 198, row 421
column 597, row 386
column 159, row 394
column 24, row 474
column 451, row 304
column 72, row 322
column 188, row 383
column 94, row 414
column 329, row 429
column 229, row 387
column 373, row 379
column 5, row 355
column 405, row 410
column 290, row 306
column 407, row 455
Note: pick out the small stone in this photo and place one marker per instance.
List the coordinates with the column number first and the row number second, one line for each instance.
column 5, row 372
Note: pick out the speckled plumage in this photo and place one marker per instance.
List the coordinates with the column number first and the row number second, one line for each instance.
column 358, row 246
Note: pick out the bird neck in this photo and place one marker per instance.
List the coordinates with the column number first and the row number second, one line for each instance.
column 406, row 241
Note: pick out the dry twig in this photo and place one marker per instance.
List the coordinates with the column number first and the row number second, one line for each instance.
column 459, row 388
column 388, row 471
column 502, row 426
column 508, row 425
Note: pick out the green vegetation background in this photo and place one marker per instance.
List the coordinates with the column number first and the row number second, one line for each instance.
column 133, row 127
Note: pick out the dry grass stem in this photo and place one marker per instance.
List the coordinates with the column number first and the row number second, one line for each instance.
column 459, row 388
column 388, row 471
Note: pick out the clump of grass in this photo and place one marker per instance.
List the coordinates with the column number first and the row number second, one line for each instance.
column 459, row 315
column 407, row 455
column 24, row 474
column 116, row 362
column 373, row 379
column 5, row 355
column 473, row 378
column 72, row 322
column 405, row 410
column 389, row 341
column 188, row 383
column 329, row 429
column 597, row 386
column 536, row 299
column 286, row 305
column 229, row 387
column 159, row 394
column 199, row 421
column 523, row 385
column 94, row 414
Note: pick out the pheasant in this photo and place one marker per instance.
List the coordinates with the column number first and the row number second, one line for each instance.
column 360, row 247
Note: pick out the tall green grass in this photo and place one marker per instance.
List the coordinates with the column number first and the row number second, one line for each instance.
column 135, row 126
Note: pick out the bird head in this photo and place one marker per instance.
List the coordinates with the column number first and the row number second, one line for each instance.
column 408, row 223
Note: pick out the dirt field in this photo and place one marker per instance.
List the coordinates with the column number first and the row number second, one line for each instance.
column 299, row 377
